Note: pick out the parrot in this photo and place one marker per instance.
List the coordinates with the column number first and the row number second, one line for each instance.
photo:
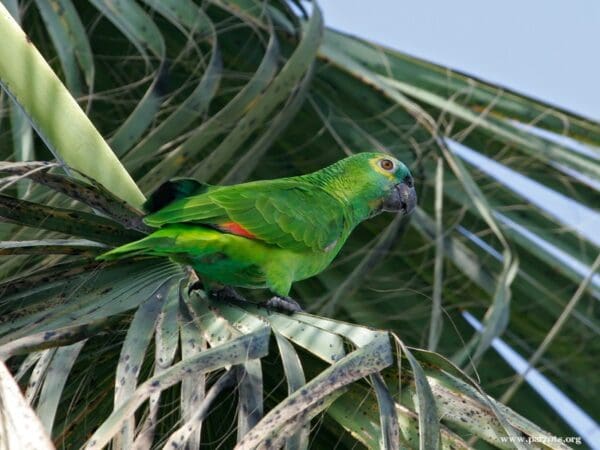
column 270, row 233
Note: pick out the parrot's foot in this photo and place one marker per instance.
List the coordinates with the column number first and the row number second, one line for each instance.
column 197, row 285
column 284, row 304
column 227, row 294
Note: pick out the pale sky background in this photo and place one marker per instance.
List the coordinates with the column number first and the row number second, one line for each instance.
column 548, row 49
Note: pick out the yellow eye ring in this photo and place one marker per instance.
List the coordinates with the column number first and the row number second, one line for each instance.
column 387, row 165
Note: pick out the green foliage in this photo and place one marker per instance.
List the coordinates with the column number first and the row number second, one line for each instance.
column 226, row 91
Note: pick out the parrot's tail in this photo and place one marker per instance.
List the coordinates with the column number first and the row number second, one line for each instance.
column 156, row 244
column 174, row 241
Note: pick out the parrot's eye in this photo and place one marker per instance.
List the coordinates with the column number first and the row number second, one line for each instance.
column 387, row 164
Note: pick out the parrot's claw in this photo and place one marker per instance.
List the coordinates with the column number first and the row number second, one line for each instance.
column 197, row 285
column 283, row 304
column 227, row 294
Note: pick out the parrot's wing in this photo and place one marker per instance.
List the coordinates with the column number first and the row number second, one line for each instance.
column 173, row 190
column 290, row 214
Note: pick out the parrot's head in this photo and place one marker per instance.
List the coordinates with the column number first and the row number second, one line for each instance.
column 380, row 181
column 397, row 184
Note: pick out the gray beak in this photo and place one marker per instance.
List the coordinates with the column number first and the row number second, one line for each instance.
column 402, row 198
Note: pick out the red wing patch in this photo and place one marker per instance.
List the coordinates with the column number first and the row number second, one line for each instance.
column 237, row 229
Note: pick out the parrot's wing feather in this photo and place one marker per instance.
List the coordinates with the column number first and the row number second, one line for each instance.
column 290, row 214
column 173, row 190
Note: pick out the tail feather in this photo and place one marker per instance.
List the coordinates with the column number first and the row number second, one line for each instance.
column 152, row 245
column 170, row 241
column 162, row 242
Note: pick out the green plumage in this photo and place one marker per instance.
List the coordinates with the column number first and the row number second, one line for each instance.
column 270, row 233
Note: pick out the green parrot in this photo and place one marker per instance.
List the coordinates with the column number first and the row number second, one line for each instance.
column 270, row 233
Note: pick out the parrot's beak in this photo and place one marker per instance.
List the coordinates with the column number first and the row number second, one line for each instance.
column 402, row 198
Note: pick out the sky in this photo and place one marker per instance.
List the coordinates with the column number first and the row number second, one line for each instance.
column 547, row 49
